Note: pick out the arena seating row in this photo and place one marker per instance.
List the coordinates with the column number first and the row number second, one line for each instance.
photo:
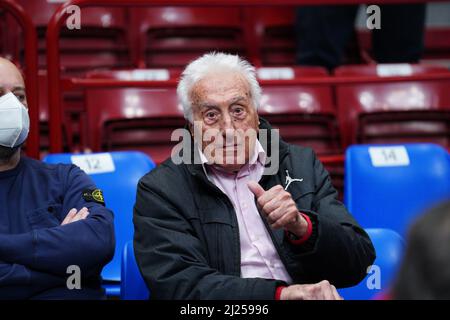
column 168, row 37
column 171, row 36
column 326, row 117
column 399, row 191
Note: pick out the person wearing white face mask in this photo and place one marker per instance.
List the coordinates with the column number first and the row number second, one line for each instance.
column 14, row 123
column 49, row 219
column 14, row 120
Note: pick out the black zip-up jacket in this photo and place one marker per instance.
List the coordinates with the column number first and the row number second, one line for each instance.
column 186, row 238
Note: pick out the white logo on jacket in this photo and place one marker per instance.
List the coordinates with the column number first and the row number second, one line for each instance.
column 289, row 180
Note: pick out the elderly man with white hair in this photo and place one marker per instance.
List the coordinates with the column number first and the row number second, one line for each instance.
column 220, row 225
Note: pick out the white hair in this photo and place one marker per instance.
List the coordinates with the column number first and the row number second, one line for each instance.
column 199, row 68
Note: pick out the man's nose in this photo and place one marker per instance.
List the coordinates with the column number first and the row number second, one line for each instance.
column 228, row 129
column 227, row 123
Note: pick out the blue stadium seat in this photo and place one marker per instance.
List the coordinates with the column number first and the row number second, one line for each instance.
column 117, row 174
column 388, row 186
column 389, row 246
column 132, row 286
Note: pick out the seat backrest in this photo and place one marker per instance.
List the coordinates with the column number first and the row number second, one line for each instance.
column 132, row 286
column 387, row 186
column 185, row 17
column 100, row 43
column 274, row 29
column 305, row 114
column 362, row 105
column 174, row 36
column 101, row 17
column 389, row 247
column 437, row 45
column 133, row 118
column 117, row 175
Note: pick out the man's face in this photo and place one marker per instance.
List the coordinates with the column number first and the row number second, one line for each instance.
column 222, row 104
column 11, row 81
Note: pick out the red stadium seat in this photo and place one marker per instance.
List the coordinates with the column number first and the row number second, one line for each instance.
column 11, row 37
column 437, row 45
column 3, row 34
column 173, row 36
column 274, row 33
column 101, row 42
column 394, row 112
column 130, row 118
column 72, row 126
column 305, row 114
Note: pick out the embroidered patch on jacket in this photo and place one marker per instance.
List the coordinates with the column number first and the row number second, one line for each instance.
column 95, row 195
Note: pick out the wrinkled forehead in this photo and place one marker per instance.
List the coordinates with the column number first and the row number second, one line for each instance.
column 10, row 77
column 220, row 84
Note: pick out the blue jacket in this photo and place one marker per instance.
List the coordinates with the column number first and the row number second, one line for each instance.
column 35, row 250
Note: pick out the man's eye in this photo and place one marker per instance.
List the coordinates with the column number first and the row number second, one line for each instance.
column 211, row 115
column 239, row 111
column 20, row 97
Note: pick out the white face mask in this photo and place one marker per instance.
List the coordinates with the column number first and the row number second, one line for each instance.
column 14, row 121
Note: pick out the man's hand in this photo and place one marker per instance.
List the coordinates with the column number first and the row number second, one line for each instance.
column 279, row 208
column 318, row 291
column 75, row 215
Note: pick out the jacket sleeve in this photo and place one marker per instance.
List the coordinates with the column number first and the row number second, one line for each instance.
column 173, row 261
column 20, row 282
column 342, row 250
column 87, row 243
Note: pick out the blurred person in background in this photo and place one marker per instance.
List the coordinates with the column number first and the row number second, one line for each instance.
column 324, row 33
column 425, row 270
